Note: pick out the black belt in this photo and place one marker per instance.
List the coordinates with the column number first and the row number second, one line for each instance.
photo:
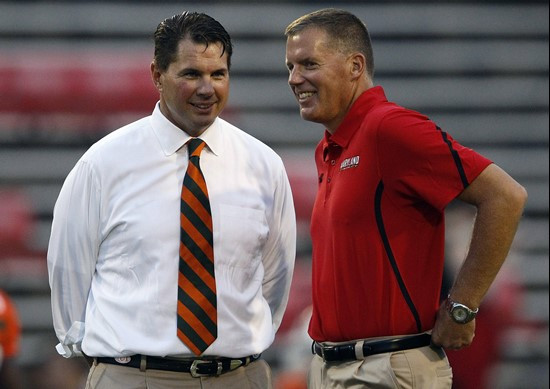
column 362, row 349
column 196, row 367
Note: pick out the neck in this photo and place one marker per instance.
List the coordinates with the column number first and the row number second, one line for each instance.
column 358, row 88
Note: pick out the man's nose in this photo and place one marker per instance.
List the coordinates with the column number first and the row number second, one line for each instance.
column 295, row 77
column 206, row 88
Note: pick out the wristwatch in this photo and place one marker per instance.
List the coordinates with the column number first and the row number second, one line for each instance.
column 460, row 313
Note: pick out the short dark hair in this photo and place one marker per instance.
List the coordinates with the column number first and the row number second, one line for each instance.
column 347, row 31
column 200, row 27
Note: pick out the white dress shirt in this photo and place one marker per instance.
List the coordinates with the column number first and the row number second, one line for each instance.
column 113, row 251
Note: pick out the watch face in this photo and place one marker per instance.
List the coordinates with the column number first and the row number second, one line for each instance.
column 460, row 314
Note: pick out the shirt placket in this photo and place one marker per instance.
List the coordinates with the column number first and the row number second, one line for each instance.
column 332, row 154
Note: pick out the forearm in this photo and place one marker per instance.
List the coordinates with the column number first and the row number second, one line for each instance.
column 68, row 313
column 280, row 252
column 498, row 213
column 278, row 270
column 72, row 254
column 70, row 271
column 499, row 201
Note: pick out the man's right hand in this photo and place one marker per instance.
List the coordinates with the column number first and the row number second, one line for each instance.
column 449, row 334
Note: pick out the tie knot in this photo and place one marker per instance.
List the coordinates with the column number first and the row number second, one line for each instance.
column 195, row 146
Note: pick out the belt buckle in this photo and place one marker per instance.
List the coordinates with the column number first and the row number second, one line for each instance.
column 324, row 349
column 194, row 366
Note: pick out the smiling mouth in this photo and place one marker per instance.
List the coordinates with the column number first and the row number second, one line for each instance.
column 203, row 106
column 303, row 96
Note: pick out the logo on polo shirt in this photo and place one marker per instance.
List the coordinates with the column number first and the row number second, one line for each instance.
column 348, row 163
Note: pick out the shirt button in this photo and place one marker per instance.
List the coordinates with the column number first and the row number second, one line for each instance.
column 329, row 180
column 333, row 162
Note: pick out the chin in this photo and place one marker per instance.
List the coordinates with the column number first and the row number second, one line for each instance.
column 310, row 117
column 306, row 114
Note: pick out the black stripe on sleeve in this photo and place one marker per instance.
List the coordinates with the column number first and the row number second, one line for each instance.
column 456, row 158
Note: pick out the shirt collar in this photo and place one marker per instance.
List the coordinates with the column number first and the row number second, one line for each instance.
column 353, row 119
column 172, row 138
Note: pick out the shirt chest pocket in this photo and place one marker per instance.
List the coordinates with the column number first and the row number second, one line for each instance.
column 242, row 235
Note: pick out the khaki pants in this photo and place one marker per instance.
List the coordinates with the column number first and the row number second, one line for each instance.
column 256, row 375
column 420, row 368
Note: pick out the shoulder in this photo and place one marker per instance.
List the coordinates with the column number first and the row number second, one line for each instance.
column 396, row 122
column 117, row 141
column 391, row 114
column 245, row 143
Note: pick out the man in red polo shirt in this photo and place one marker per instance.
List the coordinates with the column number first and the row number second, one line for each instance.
column 386, row 174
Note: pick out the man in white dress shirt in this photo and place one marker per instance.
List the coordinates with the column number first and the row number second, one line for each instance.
column 114, row 248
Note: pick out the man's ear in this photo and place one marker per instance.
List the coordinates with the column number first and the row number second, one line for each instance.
column 358, row 65
column 156, row 76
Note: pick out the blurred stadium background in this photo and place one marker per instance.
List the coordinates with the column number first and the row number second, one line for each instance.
column 72, row 71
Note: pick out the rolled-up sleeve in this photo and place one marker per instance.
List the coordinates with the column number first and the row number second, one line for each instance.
column 280, row 249
column 72, row 255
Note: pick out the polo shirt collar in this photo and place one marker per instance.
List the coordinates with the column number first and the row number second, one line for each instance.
column 352, row 121
column 172, row 138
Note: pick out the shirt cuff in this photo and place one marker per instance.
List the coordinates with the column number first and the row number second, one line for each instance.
column 68, row 351
column 71, row 345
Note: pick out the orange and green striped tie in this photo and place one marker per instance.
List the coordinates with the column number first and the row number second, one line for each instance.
column 197, row 315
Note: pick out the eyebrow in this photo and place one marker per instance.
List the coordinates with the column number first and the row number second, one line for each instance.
column 303, row 60
column 194, row 70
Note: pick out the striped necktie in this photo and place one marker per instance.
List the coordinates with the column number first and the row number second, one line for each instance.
column 197, row 316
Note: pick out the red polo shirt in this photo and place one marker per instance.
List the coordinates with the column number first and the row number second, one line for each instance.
column 377, row 227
